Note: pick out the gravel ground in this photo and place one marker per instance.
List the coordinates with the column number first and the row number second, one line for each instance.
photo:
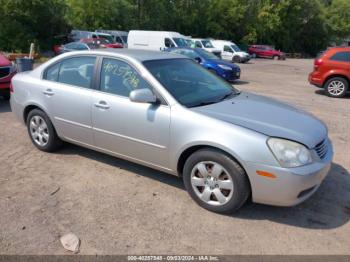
column 116, row 207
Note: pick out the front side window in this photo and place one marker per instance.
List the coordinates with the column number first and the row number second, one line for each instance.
column 341, row 57
column 189, row 83
column 77, row 71
column 227, row 49
column 119, row 78
column 236, row 48
column 207, row 44
column 181, row 42
column 52, row 72
column 168, row 42
column 198, row 44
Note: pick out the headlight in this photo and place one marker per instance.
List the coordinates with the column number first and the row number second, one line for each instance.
column 289, row 153
column 225, row 67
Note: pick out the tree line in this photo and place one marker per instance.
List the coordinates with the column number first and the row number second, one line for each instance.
column 303, row 26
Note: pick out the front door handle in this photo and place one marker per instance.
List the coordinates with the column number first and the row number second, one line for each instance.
column 48, row 92
column 102, row 105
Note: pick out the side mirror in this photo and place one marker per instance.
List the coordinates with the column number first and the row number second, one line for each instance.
column 142, row 96
column 198, row 60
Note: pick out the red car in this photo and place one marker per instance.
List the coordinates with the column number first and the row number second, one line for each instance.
column 332, row 71
column 266, row 52
column 104, row 43
column 7, row 71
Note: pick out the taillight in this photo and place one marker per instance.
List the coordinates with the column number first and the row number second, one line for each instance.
column 318, row 63
column 11, row 87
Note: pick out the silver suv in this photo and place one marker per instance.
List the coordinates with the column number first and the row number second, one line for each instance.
column 165, row 111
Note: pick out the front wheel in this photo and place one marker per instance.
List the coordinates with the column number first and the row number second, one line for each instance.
column 336, row 87
column 216, row 181
column 236, row 59
column 41, row 131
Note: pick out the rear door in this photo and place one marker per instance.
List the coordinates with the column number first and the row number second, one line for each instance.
column 68, row 94
column 138, row 131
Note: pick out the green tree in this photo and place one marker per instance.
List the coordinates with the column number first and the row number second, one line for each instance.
column 26, row 21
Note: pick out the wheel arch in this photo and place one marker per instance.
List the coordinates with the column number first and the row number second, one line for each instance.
column 333, row 75
column 29, row 108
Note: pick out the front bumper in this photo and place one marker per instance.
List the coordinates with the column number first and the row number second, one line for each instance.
column 231, row 75
column 291, row 185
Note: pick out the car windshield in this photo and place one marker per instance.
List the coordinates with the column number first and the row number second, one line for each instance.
column 109, row 38
column 236, row 48
column 189, row 83
column 125, row 38
column 207, row 44
column 93, row 45
column 180, row 42
column 206, row 55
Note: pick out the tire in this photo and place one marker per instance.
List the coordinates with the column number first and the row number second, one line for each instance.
column 236, row 59
column 232, row 195
column 6, row 96
column 336, row 87
column 41, row 131
column 212, row 71
column 275, row 57
column 254, row 55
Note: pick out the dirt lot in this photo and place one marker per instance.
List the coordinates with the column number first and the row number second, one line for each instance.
column 117, row 207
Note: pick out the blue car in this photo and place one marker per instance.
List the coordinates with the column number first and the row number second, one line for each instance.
column 226, row 70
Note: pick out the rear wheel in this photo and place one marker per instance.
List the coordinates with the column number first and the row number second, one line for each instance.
column 6, row 96
column 41, row 131
column 216, row 181
column 336, row 87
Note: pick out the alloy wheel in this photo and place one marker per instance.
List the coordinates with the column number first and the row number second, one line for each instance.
column 336, row 87
column 212, row 183
column 39, row 130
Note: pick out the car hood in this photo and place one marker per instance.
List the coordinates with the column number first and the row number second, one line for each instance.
column 4, row 61
column 268, row 116
column 222, row 62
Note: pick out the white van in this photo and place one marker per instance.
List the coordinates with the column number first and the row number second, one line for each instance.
column 230, row 51
column 155, row 40
column 207, row 45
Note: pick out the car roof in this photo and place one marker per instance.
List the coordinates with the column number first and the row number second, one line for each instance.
column 137, row 54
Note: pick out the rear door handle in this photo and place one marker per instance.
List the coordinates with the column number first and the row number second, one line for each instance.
column 48, row 92
column 102, row 105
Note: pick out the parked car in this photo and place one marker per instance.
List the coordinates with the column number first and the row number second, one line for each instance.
column 120, row 37
column 102, row 42
column 226, row 70
column 7, row 71
column 332, row 71
column 206, row 44
column 155, row 40
column 77, row 35
column 266, row 51
column 164, row 111
column 230, row 51
column 78, row 46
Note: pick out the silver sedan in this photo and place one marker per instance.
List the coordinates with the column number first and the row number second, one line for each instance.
column 164, row 111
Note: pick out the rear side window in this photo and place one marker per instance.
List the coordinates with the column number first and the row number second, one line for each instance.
column 119, row 78
column 341, row 56
column 77, row 71
column 52, row 72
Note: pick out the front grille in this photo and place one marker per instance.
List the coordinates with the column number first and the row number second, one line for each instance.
column 321, row 148
column 4, row 71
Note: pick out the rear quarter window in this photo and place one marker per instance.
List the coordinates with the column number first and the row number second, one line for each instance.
column 341, row 57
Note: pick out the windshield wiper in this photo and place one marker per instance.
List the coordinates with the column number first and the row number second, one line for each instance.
column 232, row 94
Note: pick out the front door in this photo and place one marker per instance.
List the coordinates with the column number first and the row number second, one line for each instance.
column 227, row 53
column 138, row 131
